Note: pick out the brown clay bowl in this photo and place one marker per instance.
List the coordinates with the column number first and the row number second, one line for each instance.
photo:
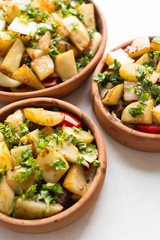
column 65, row 88
column 129, row 137
column 79, row 208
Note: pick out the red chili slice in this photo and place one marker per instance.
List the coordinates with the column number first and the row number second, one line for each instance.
column 70, row 121
column 149, row 128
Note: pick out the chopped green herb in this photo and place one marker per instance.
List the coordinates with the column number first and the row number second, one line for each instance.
column 136, row 110
column 96, row 163
column 80, row 160
column 58, row 164
column 83, row 61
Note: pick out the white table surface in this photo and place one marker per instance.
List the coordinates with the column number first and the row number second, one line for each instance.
column 129, row 204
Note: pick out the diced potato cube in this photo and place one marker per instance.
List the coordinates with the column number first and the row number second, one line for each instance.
column 26, row 76
column 15, row 179
column 144, row 58
column 32, row 138
column 11, row 10
column 5, row 157
column 6, row 197
column 28, row 209
column 5, row 43
column 44, row 41
column 156, row 113
column 139, row 46
column 28, row 28
column 64, row 46
column 35, row 53
column 87, row 10
column 44, row 5
column 113, row 95
column 13, row 58
column 145, row 118
column 155, row 44
column 130, row 72
column 47, row 130
column 87, row 137
column 61, row 30
column 120, row 55
column 65, row 65
column 77, row 32
column 43, row 117
column 89, row 156
column 75, row 181
column 43, row 66
column 97, row 37
column 68, row 150
column 129, row 93
column 15, row 120
column 16, row 153
column 47, row 160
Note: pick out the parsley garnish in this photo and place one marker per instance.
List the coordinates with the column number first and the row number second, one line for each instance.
column 80, row 160
column 136, row 110
column 58, row 164
column 96, row 163
column 83, row 61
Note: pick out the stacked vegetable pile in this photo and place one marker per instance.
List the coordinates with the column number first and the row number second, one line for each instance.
column 47, row 162
column 130, row 87
column 44, row 42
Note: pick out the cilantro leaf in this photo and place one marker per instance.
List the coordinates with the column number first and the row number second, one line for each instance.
column 136, row 110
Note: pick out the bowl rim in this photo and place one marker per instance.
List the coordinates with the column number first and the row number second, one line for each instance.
column 95, row 186
column 65, row 84
column 96, row 98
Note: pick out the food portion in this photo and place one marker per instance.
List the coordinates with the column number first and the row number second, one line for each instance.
column 48, row 160
column 130, row 85
column 43, row 43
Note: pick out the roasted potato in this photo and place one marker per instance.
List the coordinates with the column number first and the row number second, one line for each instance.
column 113, row 95
column 139, row 46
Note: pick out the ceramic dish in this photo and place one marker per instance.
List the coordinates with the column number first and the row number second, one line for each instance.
column 80, row 207
column 64, row 88
column 129, row 137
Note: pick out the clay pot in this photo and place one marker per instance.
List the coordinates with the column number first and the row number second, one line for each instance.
column 129, row 137
column 78, row 209
column 65, row 88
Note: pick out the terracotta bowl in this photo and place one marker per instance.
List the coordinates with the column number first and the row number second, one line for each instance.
column 129, row 137
column 65, row 88
column 78, row 209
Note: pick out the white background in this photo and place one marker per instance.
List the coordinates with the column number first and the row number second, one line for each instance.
column 128, row 207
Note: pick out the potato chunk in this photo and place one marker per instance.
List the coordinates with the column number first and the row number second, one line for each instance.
column 5, row 157
column 16, row 153
column 28, row 209
column 87, row 137
column 75, row 181
column 68, row 150
column 129, row 93
column 32, row 138
column 44, row 5
column 16, row 181
column 130, row 72
column 65, row 65
column 48, row 159
column 97, row 37
column 44, row 41
column 87, row 10
column 77, row 32
column 113, row 95
column 155, row 44
column 15, row 120
column 26, row 76
column 139, row 46
column 156, row 113
column 43, row 66
column 6, row 81
column 43, row 117
column 144, row 58
column 145, row 118
column 5, row 43
column 13, row 58
column 35, row 53
column 120, row 55
column 6, row 197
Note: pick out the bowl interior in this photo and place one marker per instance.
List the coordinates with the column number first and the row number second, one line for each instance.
column 145, row 141
column 79, row 208
column 65, row 88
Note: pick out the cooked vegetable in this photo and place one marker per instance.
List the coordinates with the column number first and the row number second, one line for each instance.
column 46, row 169
column 137, row 103
column 37, row 35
